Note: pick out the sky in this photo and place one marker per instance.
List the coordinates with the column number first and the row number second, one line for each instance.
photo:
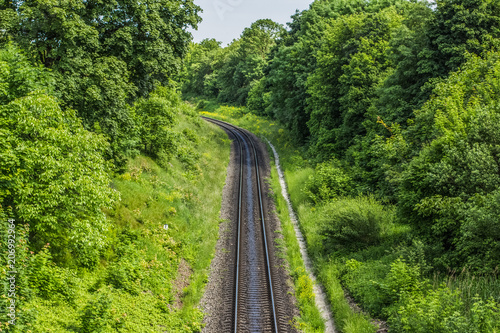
column 225, row 20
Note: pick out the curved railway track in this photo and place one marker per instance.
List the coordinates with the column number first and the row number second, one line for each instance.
column 255, row 303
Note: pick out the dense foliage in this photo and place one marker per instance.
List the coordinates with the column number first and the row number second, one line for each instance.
column 394, row 102
column 104, row 54
column 52, row 169
column 231, row 73
column 91, row 253
column 358, row 243
column 86, row 93
column 449, row 190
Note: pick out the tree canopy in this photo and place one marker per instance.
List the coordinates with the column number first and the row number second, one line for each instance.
column 52, row 169
column 104, row 54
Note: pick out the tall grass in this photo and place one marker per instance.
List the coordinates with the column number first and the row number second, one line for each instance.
column 470, row 285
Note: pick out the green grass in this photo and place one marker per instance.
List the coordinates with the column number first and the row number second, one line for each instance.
column 132, row 289
column 310, row 318
column 346, row 320
column 470, row 285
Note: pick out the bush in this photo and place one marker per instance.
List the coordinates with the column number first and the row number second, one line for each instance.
column 484, row 316
column 126, row 274
column 427, row 313
column 202, row 104
column 353, row 223
column 304, row 288
column 329, row 181
column 402, row 281
column 258, row 99
column 441, row 311
column 358, row 277
column 363, row 280
column 48, row 280
column 157, row 117
column 97, row 316
column 478, row 243
column 161, row 139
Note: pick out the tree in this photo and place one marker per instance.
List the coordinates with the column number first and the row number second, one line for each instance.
column 247, row 60
column 463, row 26
column 260, row 38
column 151, row 38
column 351, row 65
column 201, row 67
column 410, row 85
column 449, row 190
column 52, row 172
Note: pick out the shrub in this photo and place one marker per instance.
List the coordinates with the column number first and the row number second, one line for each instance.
column 360, row 279
column 97, row 316
column 258, row 99
column 48, row 280
column 484, row 316
column 304, row 287
column 202, row 104
column 429, row 313
column 161, row 138
column 441, row 311
column 401, row 281
column 189, row 157
column 126, row 274
column 478, row 243
column 353, row 223
column 190, row 135
column 157, row 116
column 329, row 181
column 415, row 255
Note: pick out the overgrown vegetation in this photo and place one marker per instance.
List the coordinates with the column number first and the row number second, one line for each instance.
column 103, row 55
column 390, row 113
column 134, row 287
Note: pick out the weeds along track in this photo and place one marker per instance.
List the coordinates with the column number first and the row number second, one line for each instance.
column 254, row 294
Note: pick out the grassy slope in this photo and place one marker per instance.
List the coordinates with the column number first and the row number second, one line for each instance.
column 134, row 288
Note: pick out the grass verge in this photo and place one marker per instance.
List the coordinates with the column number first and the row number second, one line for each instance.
column 310, row 318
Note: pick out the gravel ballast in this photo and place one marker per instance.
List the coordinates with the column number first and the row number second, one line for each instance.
column 216, row 302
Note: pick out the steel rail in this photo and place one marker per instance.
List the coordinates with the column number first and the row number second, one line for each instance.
column 233, row 130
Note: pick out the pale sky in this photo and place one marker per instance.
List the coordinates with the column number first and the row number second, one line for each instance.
column 225, row 20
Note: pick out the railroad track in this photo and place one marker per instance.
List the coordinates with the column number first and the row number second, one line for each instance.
column 255, row 305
